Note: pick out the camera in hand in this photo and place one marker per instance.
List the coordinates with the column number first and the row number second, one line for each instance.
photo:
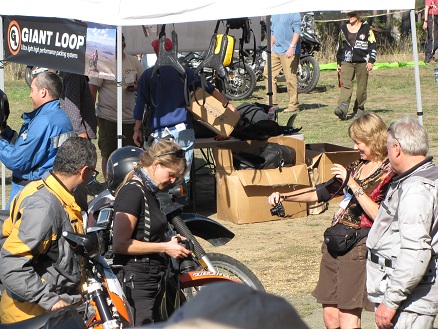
column 278, row 210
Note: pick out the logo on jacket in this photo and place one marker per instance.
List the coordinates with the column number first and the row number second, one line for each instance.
column 362, row 37
column 24, row 135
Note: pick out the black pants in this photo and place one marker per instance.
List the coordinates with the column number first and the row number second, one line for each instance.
column 144, row 292
column 432, row 36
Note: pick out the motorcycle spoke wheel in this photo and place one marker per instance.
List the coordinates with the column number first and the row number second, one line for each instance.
column 309, row 75
column 235, row 270
column 240, row 81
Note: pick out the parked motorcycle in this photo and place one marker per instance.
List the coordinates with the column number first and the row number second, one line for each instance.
column 240, row 79
column 105, row 303
column 199, row 268
column 187, row 225
column 31, row 71
column 308, row 69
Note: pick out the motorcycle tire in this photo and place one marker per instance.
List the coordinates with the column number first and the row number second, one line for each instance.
column 309, row 74
column 28, row 76
column 236, row 270
column 240, row 81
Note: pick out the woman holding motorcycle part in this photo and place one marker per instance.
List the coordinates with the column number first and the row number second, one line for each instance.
column 140, row 226
column 355, row 56
column 341, row 287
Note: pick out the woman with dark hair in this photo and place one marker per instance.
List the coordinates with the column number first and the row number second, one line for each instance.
column 139, row 239
column 341, row 287
column 355, row 57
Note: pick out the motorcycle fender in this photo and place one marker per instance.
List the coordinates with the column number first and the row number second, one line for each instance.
column 207, row 229
column 200, row 278
column 117, row 295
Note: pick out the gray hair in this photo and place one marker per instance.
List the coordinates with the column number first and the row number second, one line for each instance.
column 74, row 154
column 410, row 135
column 50, row 81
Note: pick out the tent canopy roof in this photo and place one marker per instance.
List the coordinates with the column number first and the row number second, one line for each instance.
column 139, row 12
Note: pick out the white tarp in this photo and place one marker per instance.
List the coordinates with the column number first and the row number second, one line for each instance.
column 140, row 12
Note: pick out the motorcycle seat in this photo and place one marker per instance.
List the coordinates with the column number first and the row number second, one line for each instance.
column 62, row 316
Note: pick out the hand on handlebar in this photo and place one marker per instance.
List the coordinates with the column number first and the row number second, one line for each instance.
column 274, row 198
column 175, row 250
column 59, row 304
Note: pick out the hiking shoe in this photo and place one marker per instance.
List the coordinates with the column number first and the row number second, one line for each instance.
column 341, row 115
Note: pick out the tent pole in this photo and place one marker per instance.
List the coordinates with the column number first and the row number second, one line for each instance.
column 268, row 59
column 2, row 87
column 416, row 68
column 119, row 83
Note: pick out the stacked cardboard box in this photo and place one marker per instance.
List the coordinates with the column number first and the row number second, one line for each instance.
column 212, row 114
column 242, row 195
column 320, row 158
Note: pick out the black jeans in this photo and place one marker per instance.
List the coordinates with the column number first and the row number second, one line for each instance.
column 432, row 36
column 144, row 291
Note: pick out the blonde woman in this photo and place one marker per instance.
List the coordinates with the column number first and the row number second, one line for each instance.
column 139, row 226
column 341, row 286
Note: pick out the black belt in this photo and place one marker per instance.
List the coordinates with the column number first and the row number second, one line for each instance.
column 20, row 181
column 379, row 260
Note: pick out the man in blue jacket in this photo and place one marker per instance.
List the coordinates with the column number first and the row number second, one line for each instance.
column 31, row 152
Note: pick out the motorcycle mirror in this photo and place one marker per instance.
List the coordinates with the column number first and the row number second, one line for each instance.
column 89, row 242
column 177, row 191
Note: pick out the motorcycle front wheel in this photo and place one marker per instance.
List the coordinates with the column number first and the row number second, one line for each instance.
column 240, row 81
column 308, row 74
column 235, row 270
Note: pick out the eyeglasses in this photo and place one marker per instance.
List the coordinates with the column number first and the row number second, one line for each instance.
column 93, row 176
column 180, row 153
column 352, row 14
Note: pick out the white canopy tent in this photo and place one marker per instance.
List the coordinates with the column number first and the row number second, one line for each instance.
column 138, row 12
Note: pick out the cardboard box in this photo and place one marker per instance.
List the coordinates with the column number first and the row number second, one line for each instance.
column 212, row 114
column 320, row 158
column 242, row 195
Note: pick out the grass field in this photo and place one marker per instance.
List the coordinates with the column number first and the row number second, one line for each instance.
column 285, row 254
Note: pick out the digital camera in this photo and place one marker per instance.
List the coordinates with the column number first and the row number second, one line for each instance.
column 278, row 210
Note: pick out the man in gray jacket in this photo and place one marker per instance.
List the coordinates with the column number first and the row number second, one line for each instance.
column 38, row 268
column 402, row 244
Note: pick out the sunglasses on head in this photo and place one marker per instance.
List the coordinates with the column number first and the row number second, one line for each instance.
column 180, row 153
column 352, row 14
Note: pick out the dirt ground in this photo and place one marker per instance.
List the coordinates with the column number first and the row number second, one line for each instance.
column 284, row 254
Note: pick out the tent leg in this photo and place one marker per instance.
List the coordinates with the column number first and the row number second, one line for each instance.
column 416, row 68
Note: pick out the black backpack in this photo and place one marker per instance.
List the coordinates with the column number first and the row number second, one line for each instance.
column 271, row 156
column 254, row 123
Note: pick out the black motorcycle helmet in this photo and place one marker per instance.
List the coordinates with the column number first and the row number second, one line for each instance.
column 120, row 163
column 4, row 108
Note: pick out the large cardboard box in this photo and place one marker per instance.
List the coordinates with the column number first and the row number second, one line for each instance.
column 212, row 114
column 242, row 195
column 320, row 158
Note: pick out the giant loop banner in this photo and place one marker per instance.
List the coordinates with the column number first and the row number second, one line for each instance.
column 61, row 44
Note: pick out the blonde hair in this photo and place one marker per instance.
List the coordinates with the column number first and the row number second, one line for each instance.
column 154, row 154
column 371, row 130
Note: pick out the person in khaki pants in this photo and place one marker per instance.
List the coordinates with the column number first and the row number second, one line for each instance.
column 355, row 57
column 286, row 50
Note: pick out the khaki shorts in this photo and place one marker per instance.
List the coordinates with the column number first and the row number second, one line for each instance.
column 107, row 140
column 342, row 280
